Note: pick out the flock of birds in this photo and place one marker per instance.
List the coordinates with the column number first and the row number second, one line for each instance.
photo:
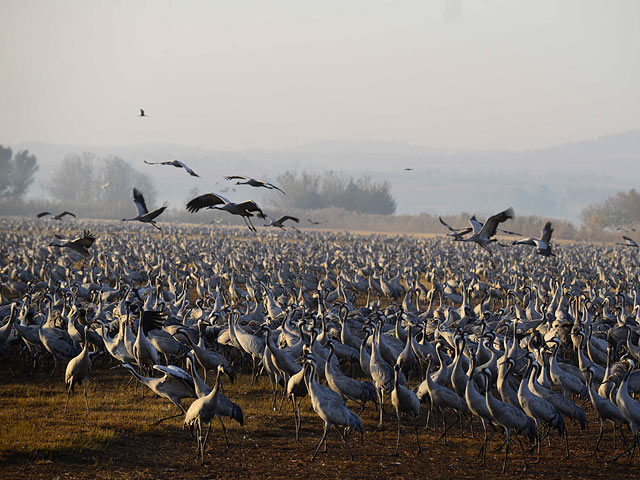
column 505, row 340
column 516, row 343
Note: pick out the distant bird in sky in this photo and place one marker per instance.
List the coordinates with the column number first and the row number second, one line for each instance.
column 314, row 222
column 218, row 202
column 142, row 114
column 175, row 163
column 543, row 245
column 279, row 222
column 57, row 217
column 628, row 242
column 144, row 215
column 80, row 244
column 104, row 186
column 408, row 169
column 252, row 182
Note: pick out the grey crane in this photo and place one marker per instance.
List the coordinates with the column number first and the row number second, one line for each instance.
column 252, row 182
column 510, row 418
column 172, row 385
column 630, row 410
column 405, row 401
column 349, row 388
column 543, row 244
column 280, row 221
column 177, row 164
column 81, row 244
column 605, row 409
column 56, row 217
column 628, row 242
column 78, row 372
column 144, row 215
column 330, row 407
column 483, row 235
column 218, row 202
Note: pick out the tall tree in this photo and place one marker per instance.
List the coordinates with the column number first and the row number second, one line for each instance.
column 23, row 172
column 16, row 172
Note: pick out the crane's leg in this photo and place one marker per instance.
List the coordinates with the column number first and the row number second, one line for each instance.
column 204, row 442
column 154, row 224
column 398, row 439
column 224, row 432
column 600, row 435
column 633, row 445
column 381, row 398
column 344, row 439
column 415, row 427
column 67, row 402
column 181, row 412
column 55, row 364
column 86, row 401
column 324, row 437
column 524, row 457
column 483, row 448
column 506, row 452
column 295, row 416
column 566, row 443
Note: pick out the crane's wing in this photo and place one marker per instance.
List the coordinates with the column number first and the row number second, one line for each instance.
column 155, row 213
column 40, row 215
column 236, row 177
column 508, row 232
column 450, row 227
column 251, row 206
column 205, row 201
column 476, row 225
column 630, row 241
column 152, row 320
column 189, row 171
column 489, row 228
column 546, row 233
column 175, row 372
column 138, row 199
column 288, row 217
column 273, row 187
column 525, row 241
column 66, row 213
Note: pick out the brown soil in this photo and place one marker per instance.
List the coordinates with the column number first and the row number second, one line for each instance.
column 263, row 448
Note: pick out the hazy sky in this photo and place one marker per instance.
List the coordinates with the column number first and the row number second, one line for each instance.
column 251, row 74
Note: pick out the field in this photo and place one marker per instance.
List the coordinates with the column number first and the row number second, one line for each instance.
column 118, row 440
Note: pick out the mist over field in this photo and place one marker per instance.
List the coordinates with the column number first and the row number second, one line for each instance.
column 557, row 182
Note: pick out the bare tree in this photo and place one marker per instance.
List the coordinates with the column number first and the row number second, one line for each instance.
column 79, row 179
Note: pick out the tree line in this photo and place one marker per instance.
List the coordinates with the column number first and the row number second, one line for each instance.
column 312, row 191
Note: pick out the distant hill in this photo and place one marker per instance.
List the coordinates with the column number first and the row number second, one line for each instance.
column 556, row 181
